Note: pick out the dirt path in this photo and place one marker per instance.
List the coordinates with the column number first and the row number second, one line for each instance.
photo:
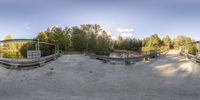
column 77, row 77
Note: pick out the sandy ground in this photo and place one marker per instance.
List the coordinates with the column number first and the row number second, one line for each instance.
column 77, row 77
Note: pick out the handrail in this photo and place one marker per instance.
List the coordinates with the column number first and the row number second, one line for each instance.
column 18, row 40
column 127, row 60
column 15, row 63
column 191, row 57
column 118, row 59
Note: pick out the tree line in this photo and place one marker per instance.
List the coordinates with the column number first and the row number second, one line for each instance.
column 84, row 38
column 154, row 42
column 91, row 38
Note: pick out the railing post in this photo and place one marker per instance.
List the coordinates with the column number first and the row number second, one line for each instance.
column 55, row 48
column 36, row 47
column 38, row 44
column 1, row 56
column 146, row 59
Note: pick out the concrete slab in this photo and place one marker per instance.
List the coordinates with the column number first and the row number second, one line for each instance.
column 78, row 77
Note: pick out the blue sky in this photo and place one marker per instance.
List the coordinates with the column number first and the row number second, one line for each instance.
column 135, row 18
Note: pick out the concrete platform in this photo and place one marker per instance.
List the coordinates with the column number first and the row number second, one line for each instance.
column 77, row 77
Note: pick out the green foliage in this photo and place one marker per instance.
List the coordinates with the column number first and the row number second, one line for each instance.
column 154, row 42
column 187, row 42
column 192, row 49
column 128, row 44
column 12, row 49
column 166, row 43
column 8, row 37
column 27, row 46
column 84, row 38
column 103, row 44
column 61, row 37
column 91, row 38
column 91, row 34
column 92, row 42
column 181, row 40
column 42, row 36
column 55, row 35
column 151, row 43
column 79, row 39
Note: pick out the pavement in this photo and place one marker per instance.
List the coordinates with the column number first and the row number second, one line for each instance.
column 77, row 77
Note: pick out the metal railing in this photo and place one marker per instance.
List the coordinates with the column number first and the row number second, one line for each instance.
column 18, row 58
column 193, row 58
column 127, row 60
column 15, row 63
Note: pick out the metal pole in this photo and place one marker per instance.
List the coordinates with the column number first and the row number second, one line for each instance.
column 58, row 48
column 1, row 56
column 197, row 49
column 55, row 48
column 38, row 45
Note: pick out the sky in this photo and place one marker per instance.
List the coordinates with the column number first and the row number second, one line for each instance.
column 128, row 18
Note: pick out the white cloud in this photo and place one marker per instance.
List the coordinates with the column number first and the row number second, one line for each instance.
column 125, row 30
column 114, row 37
column 126, row 35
